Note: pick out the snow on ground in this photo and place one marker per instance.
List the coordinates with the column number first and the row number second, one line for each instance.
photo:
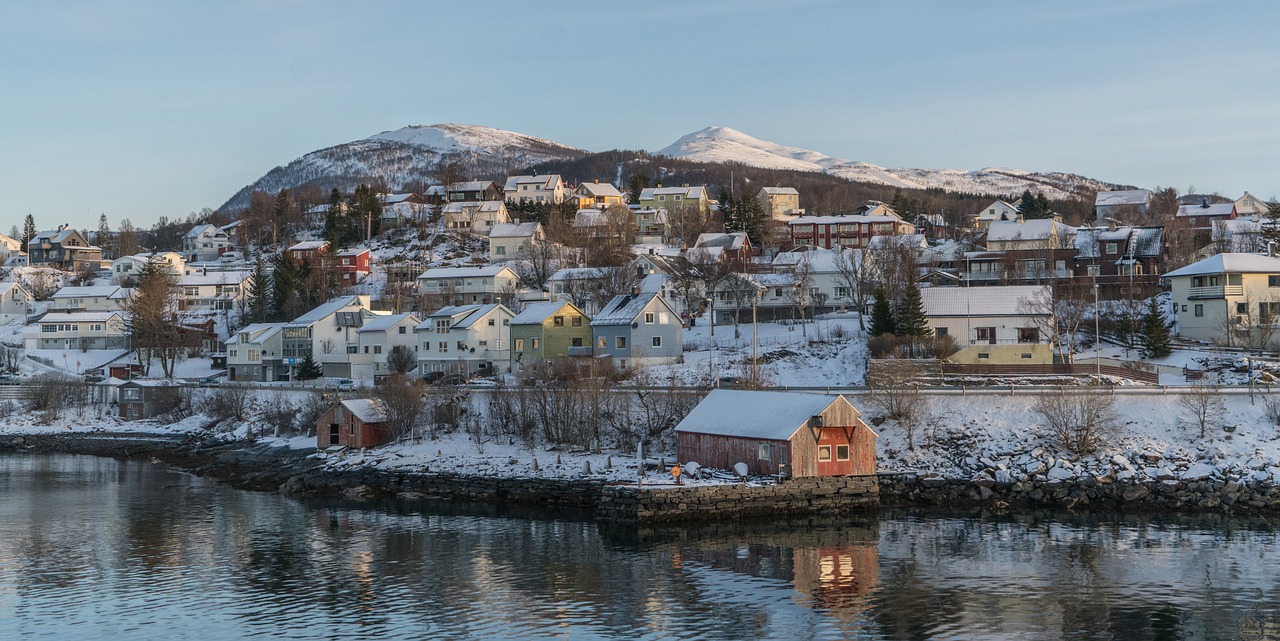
column 74, row 361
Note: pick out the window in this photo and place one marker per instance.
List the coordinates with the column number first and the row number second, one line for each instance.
column 764, row 452
column 1267, row 313
column 1197, row 281
column 490, row 322
column 1028, row 335
column 377, row 349
column 620, row 342
column 824, row 453
column 557, row 321
column 601, row 342
column 500, row 250
column 442, row 347
column 1112, row 248
column 519, row 344
column 402, row 328
column 657, row 341
column 253, row 354
column 939, row 331
column 842, row 452
column 648, row 318
column 1199, row 310
column 533, row 344
column 1026, row 356
column 576, row 321
column 1184, row 308
column 1273, row 280
column 985, row 335
column 1242, row 308
column 984, row 355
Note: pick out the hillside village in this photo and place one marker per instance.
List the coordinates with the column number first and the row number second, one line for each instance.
column 533, row 282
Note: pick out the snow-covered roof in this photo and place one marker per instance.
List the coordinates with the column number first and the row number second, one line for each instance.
column 978, row 301
column 1223, row 210
column 589, row 218
column 1231, row 263
column 484, row 206
column 487, row 271
column 8, row 285
column 215, row 278
column 309, row 245
column 730, row 240
column 600, row 190
column 549, row 181
column 460, row 316
column 369, row 410
column 624, row 308
column 514, row 230
column 391, row 199
column 89, row 291
column 473, row 185
column 579, row 273
column 1141, row 242
column 692, row 193
column 257, row 333
column 1127, row 197
column 1033, row 229
column 352, row 251
column 120, row 294
column 754, row 414
column 914, row 241
column 851, row 219
column 326, row 309
column 79, row 317
column 538, row 313
column 780, row 191
column 200, row 230
column 386, row 321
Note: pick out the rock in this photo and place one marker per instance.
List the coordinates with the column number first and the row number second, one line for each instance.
column 1035, row 467
column 1199, row 471
column 1126, row 475
column 1164, row 474
column 1061, row 474
column 1122, row 462
column 984, row 493
column 983, row 480
column 359, row 492
column 1135, row 493
column 1003, row 477
column 933, row 481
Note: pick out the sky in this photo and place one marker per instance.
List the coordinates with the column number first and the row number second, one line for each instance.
column 139, row 109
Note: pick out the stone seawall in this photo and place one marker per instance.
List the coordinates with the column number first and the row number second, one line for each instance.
column 1209, row 494
column 818, row 495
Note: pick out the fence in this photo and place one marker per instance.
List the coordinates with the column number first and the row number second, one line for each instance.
column 955, row 369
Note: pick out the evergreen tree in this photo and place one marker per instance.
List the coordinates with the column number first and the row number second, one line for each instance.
column 728, row 210
column 366, row 215
column 881, row 314
column 259, row 293
column 284, row 287
column 104, row 239
column 637, row 184
column 334, row 216
column 1271, row 229
column 900, row 204
column 1155, row 332
column 910, row 320
column 309, row 369
column 28, row 229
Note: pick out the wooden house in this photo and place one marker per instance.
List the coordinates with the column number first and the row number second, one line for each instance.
column 148, row 398
column 355, row 423
column 778, row 433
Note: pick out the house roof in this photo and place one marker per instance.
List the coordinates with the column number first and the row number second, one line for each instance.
column 198, row 230
column 1207, row 209
column 589, row 218
column 215, row 278
column 8, row 285
column 548, row 181
column 730, row 240
column 322, row 311
column 462, row 316
column 780, row 191
column 754, row 414
column 1033, row 229
column 79, row 317
column 600, row 190
column 692, row 193
column 849, row 218
column 538, row 313
column 473, row 185
column 1141, row 242
column 487, row 271
column 579, row 273
column 386, row 321
column 624, row 308
column 1231, row 263
column 352, row 251
column 914, row 241
column 514, row 230
column 978, row 301
column 309, row 245
column 1126, row 197
column 258, row 332
column 91, row 291
column 483, row 206
column 391, row 199
column 369, row 410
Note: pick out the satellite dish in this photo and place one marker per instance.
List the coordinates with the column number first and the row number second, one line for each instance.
column 692, row 468
column 740, row 468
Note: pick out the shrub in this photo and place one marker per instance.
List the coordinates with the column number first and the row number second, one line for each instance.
column 1079, row 421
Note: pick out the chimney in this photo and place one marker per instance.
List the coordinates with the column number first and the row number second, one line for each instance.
column 1111, row 224
column 597, row 181
column 1204, row 203
column 635, row 291
column 1020, row 219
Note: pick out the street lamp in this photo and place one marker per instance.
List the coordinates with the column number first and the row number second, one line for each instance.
column 711, row 342
column 1097, row 338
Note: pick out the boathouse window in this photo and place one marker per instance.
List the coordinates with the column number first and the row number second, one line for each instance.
column 842, row 452
column 765, row 452
column 824, row 453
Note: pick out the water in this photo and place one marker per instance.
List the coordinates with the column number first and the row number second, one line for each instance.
column 98, row 549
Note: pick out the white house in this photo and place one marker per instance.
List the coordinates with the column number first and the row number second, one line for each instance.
column 1231, row 299
column 15, row 302
column 255, row 354
column 375, row 340
column 508, row 241
column 1036, row 233
column 474, row 217
column 1110, row 204
column 214, row 291
column 991, row 324
column 205, row 243
column 9, row 247
column 127, row 269
column 465, row 339
column 997, row 210
column 77, row 331
column 534, row 189
column 459, row 285
column 90, row 298
column 327, row 334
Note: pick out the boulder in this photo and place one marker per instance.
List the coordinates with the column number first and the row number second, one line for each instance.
column 1135, row 493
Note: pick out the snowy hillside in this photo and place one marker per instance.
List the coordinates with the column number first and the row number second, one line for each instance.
column 725, row 145
column 407, row 154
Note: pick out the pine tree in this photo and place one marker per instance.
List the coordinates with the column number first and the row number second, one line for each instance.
column 284, row 287
column 900, row 205
column 333, row 217
column 637, row 184
column 309, row 369
column 28, row 229
column 881, row 314
column 729, row 210
column 1155, row 333
column 1271, row 229
column 259, row 293
column 105, row 239
column 910, row 320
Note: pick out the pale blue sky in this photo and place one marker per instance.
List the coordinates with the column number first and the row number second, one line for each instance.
column 141, row 108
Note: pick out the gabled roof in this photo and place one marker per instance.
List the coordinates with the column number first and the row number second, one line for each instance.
column 978, row 301
column 215, row 278
column 730, row 240
column 780, row 191
column 579, row 273
column 369, row 410
column 600, row 190
column 324, row 310
column 79, row 317
column 352, row 251
column 484, row 206
column 848, row 218
column 1230, row 264
column 307, row 245
column 548, row 181
column 473, row 185
column 392, row 199
column 514, row 230
column 460, row 316
column 1033, row 229
column 538, row 313
column 697, row 192
column 589, row 217
column 487, row 271
column 1207, row 209
column 1127, row 197
column 199, row 230
column 258, row 333
column 90, row 291
column 914, row 241
column 624, row 308
column 386, row 321
column 754, row 414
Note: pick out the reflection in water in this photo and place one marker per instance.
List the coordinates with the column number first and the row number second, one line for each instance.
column 93, row 548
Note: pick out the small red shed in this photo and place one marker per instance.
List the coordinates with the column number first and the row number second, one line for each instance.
column 355, row 423
column 778, row 433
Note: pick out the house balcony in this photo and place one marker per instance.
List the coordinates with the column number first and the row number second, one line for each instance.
column 1215, row 291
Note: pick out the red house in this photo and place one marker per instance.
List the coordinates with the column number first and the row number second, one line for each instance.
column 856, row 230
column 354, row 423
column 778, row 433
column 309, row 251
column 352, row 265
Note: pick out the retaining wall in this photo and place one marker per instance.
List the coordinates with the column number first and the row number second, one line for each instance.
column 811, row 495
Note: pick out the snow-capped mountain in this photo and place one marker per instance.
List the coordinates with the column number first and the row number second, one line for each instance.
column 725, row 145
column 408, row 154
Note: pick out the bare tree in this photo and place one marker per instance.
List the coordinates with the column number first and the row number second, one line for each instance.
column 894, row 391
column 10, row 358
column 800, row 294
column 851, row 276
column 401, row 400
column 401, row 359
column 1202, row 405
column 1058, row 313
column 155, row 332
column 1079, row 421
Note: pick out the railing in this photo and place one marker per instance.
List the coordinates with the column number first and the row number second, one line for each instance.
column 1216, row 291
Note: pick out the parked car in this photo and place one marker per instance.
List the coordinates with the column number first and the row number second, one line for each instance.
column 210, row 381
column 452, row 379
column 340, row 384
column 94, row 375
column 432, row 377
column 9, row 379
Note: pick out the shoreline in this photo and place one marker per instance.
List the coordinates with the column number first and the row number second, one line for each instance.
column 267, row 468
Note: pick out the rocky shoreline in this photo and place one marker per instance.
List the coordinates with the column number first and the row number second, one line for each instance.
column 291, row 472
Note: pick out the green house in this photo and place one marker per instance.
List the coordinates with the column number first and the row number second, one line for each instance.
column 548, row 330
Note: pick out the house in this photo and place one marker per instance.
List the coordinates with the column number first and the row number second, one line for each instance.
column 670, row 198
column 77, row 331
column 204, row 243
column 1202, row 214
column 1125, row 262
column 355, row 423
column 474, row 217
column 327, row 334
column 458, row 285
column 597, row 195
column 352, row 265
column 474, row 191
column 851, row 230
column 740, row 296
column 549, row 330
column 787, row 433
column 548, row 189
column 235, row 233
column 65, row 249
column 401, row 209
column 15, row 302
column 127, row 269
column 1113, row 204
column 508, row 241
column 734, row 248
column 90, row 298
column 1249, row 205
column 588, row 288
column 148, row 398
column 1228, row 299
column 213, row 291
column 1035, row 233
column 640, row 328
column 9, row 247
column 995, row 325
column 651, row 224
column 375, row 341
column 464, row 339
column 780, row 203
column 309, row 251
column 255, row 353
column 997, row 210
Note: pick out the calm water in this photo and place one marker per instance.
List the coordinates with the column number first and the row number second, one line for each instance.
column 96, row 549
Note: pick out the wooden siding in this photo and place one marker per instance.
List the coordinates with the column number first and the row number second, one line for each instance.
column 351, row 431
column 722, row 452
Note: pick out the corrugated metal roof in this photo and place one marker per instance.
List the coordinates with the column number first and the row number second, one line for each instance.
column 977, row 302
column 754, row 414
